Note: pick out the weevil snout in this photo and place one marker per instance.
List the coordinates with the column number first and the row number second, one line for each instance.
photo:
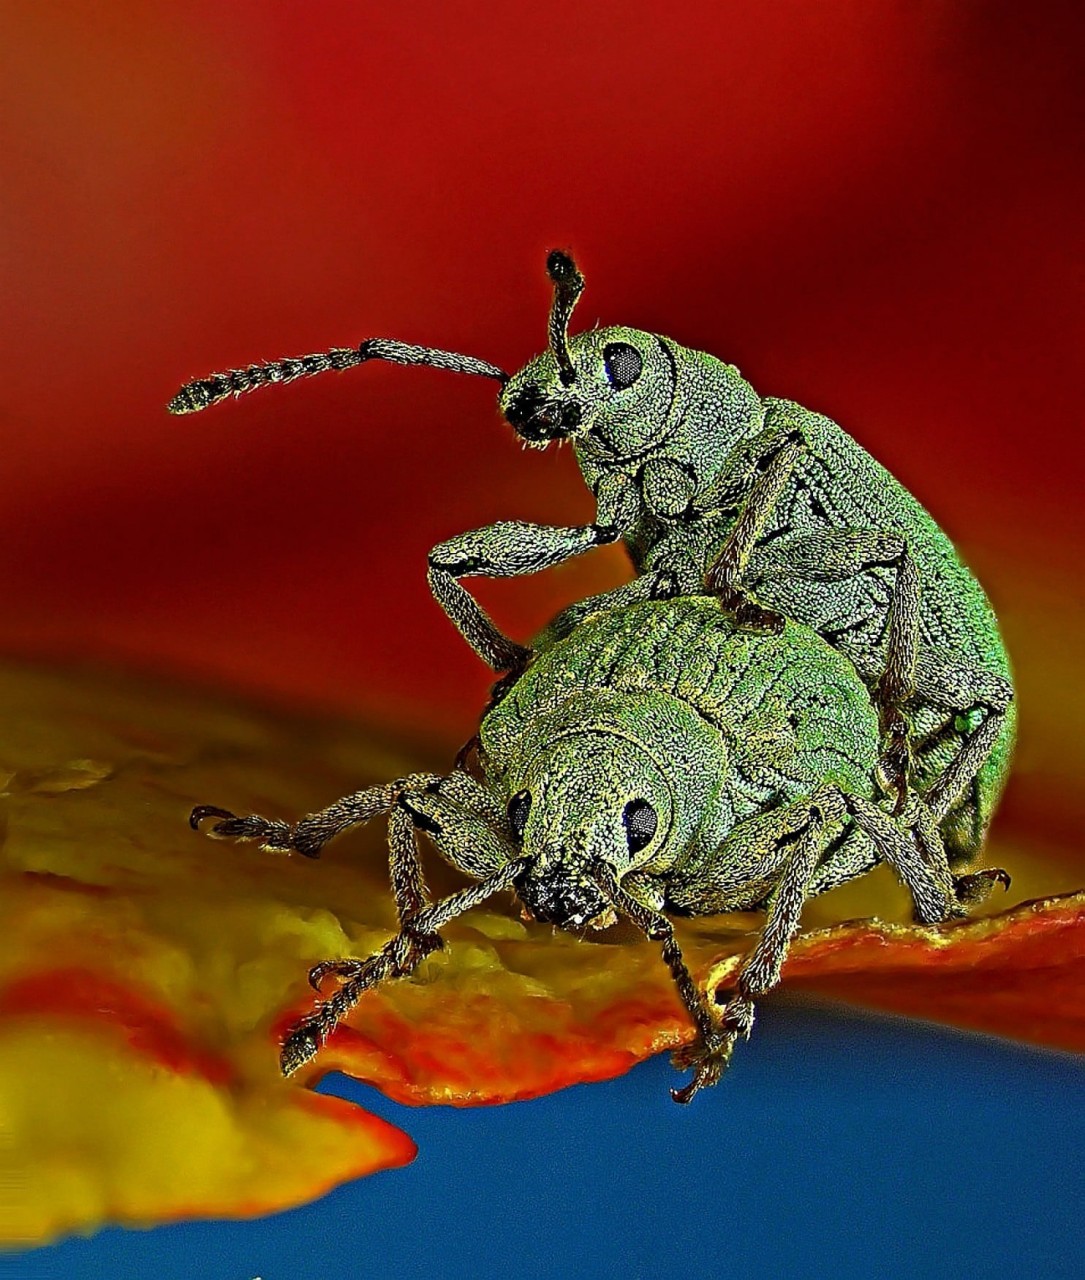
column 537, row 418
column 559, row 897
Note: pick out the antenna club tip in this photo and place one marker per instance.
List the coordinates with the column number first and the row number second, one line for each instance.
column 560, row 267
column 192, row 397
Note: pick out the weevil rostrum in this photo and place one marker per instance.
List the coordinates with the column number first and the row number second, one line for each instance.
column 773, row 508
column 663, row 758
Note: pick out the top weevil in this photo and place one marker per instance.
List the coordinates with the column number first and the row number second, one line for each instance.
column 776, row 508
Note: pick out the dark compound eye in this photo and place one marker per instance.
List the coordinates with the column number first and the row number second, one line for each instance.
column 640, row 822
column 519, row 808
column 623, row 364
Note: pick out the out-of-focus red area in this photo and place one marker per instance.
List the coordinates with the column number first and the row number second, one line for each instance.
column 872, row 208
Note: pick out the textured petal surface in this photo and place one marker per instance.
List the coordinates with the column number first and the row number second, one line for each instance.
column 1020, row 973
column 146, row 973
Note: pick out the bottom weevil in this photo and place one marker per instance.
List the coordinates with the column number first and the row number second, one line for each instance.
column 661, row 760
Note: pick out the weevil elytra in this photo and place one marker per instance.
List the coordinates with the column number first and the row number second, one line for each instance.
column 662, row 759
column 776, row 508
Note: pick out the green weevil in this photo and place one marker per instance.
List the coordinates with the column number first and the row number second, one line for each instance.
column 775, row 509
column 661, row 759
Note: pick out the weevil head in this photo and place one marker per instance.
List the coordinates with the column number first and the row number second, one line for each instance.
column 591, row 798
column 609, row 389
column 618, row 397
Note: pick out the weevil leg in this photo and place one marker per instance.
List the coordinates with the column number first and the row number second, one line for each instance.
column 469, row 618
column 962, row 805
column 405, row 868
column 411, row 802
column 916, row 854
column 948, row 759
column 463, row 821
column 787, row 848
column 761, row 972
column 396, row 959
column 782, row 574
column 959, row 775
column 937, row 893
column 727, row 571
column 309, row 835
column 512, row 548
column 710, row 1052
column 779, row 851
column 850, row 854
column 973, row 889
column 897, row 682
column 722, row 498
column 507, row 549
column 342, row 970
column 461, row 834
column 941, row 679
column 743, row 871
column 962, row 769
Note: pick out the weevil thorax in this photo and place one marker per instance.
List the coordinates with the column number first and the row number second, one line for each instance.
column 617, row 401
column 591, row 797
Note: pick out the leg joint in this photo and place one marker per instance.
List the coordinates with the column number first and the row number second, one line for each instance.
column 462, row 567
column 421, row 820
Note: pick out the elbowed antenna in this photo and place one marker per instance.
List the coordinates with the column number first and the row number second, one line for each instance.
column 568, row 284
column 204, row 392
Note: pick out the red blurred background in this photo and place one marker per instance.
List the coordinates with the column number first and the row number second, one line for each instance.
column 872, row 208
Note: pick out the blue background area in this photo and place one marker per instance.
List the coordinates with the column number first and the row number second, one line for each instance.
column 837, row 1146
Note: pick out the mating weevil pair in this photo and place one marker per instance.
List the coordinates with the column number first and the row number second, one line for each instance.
column 780, row 515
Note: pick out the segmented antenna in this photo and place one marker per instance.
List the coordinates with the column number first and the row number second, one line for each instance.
column 568, row 283
column 198, row 395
